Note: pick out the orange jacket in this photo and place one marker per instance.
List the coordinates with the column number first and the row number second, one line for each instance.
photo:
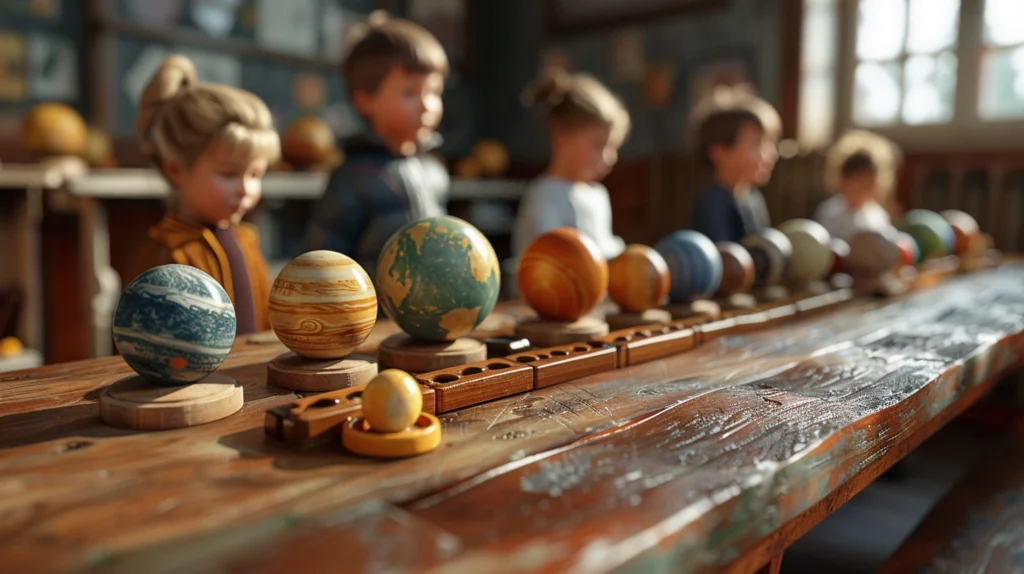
column 175, row 241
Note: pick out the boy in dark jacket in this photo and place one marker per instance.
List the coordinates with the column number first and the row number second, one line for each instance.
column 395, row 73
column 737, row 133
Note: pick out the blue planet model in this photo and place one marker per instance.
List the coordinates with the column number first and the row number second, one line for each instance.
column 694, row 265
column 174, row 324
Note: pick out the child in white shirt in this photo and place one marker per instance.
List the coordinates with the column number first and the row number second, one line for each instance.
column 861, row 169
column 586, row 125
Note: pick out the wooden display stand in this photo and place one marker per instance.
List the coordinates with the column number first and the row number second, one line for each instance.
column 770, row 294
column 698, row 308
column 626, row 320
column 137, row 403
column 297, row 373
column 547, row 333
column 401, row 351
column 737, row 302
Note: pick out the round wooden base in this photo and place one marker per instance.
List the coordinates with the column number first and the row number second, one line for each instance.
column 626, row 320
column 770, row 294
column 422, row 437
column 841, row 281
column 545, row 333
column 297, row 373
column 696, row 308
column 880, row 285
column 400, row 351
column 263, row 338
column 137, row 403
column 738, row 302
column 811, row 288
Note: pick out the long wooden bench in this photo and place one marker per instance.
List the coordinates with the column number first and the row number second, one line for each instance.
column 978, row 527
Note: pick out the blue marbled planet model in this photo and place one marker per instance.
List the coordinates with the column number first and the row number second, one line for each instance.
column 694, row 265
column 174, row 324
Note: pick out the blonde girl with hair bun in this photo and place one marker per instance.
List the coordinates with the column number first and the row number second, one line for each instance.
column 586, row 125
column 213, row 143
column 860, row 170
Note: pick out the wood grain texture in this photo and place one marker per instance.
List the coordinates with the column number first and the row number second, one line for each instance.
column 714, row 458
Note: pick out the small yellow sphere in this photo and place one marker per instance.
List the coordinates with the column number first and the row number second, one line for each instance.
column 392, row 401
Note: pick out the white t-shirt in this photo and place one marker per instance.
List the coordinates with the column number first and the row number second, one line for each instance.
column 842, row 222
column 551, row 202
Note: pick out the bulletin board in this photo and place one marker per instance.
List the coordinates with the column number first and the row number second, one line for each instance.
column 287, row 53
column 40, row 56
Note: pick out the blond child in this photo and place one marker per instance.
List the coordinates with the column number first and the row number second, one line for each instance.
column 586, row 124
column 861, row 171
column 213, row 144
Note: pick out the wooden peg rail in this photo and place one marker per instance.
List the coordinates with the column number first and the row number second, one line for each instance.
column 317, row 419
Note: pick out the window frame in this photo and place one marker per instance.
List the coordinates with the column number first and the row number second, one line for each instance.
column 967, row 129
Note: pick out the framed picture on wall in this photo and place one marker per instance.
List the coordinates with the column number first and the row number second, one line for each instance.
column 567, row 16
column 729, row 67
column 449, row 21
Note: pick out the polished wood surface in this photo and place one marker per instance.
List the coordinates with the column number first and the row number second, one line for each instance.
column 717, row 458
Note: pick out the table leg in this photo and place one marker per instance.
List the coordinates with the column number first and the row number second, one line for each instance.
column 774, row 566
column 101, row 285
column 29, row 220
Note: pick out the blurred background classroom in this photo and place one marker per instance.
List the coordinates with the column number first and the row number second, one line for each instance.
column 944, row 79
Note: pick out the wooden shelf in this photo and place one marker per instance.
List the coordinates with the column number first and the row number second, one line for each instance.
column 148, row 184
column 29, row 176
column 27, row 359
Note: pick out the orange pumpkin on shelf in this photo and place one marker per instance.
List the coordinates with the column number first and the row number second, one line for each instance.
column 467, row 168
column 54, row 129
column 308, row 142
column 492, row 157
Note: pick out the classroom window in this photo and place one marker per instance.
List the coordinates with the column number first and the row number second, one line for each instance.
column 905, row 62
column 1001, row 89
column 816, row 121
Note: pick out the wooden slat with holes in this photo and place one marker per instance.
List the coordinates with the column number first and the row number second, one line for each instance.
column 641, row 344
column 556, row 365
column 475, row 383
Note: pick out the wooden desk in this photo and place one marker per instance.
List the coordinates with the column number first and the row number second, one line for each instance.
column 712, row 460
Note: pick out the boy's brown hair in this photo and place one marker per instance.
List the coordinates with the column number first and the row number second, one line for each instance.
column 718, row 118
column 383, row 43
column 572, row 100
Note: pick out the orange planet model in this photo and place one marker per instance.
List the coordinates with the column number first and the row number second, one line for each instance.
column 562, row 275
column 737, row 269
column 965, row 228
column 638, row 279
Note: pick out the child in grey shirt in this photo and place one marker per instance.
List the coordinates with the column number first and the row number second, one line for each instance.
column 586, row 125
